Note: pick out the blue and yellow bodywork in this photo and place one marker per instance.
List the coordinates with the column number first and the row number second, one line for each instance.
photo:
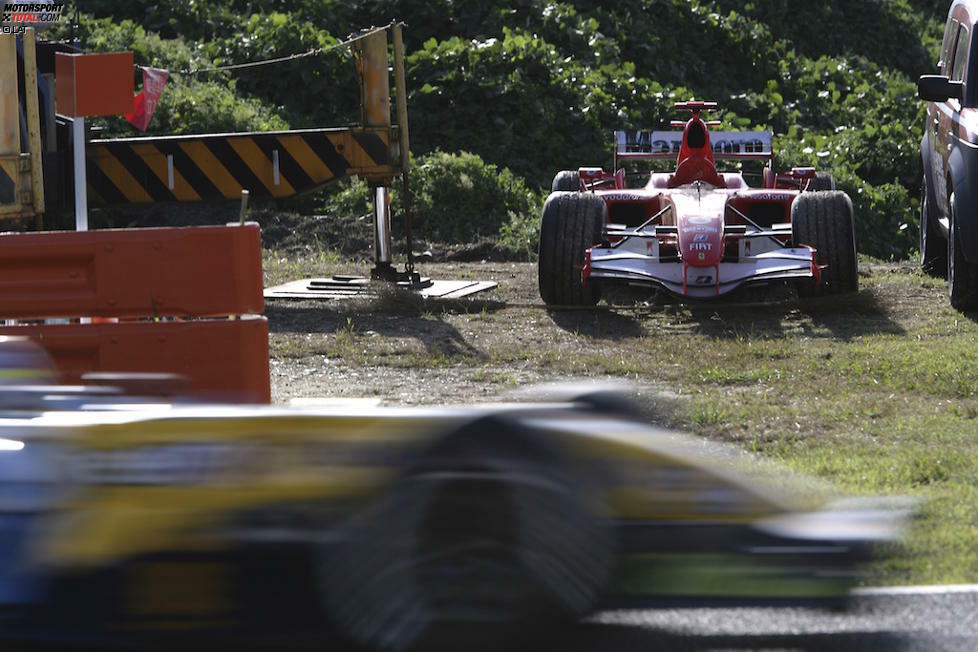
column 156, row 520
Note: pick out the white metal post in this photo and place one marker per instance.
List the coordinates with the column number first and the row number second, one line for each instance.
column 81, row 183
column 382, row 225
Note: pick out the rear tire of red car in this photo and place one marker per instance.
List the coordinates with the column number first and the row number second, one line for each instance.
column 822, row 182
column 566, row 181
column 824, row 221
column 572, row 222
column 962, row 276
column 933, row 246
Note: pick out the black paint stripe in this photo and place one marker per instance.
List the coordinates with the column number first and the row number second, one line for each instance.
column 94, row 198
column 287, row 167
column 8, row 189
column 189, row 170
column 373, row 146
column 140, row 171
column 238, row 168
column 324, row 149
column 103, row 185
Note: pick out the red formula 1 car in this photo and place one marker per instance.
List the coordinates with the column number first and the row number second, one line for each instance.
column 695, row 232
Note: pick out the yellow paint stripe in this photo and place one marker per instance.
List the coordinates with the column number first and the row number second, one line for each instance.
column 212, row 169
column 352, row 151
column 118, row 174
column 155, row 160
column 311, row 164
column 255, row 159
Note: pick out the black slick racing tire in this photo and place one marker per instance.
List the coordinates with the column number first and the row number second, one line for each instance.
column 824, row 221
column 572, row 222
column 487, row 535
column 962, row 276
column 822, row 182
column 933, row 246
column 566, row 181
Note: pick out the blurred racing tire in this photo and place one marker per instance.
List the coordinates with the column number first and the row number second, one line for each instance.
column 572, row 222
column 486, row 539
column 824, row 221
column 933, row 246
column 566, row 181
column 962, row 276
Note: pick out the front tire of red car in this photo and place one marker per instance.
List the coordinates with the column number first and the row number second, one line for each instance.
column 572, row 222
column 962, row 276
column 824, row 221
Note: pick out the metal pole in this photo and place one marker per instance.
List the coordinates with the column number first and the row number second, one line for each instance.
column 382, row 225
column 244, row 207
column 400, row 87
column 33, row 124
column 81, row 183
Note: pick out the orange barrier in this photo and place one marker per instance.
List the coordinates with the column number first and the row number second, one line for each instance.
column 169, row 300
column 223, row 360
column 203, row 271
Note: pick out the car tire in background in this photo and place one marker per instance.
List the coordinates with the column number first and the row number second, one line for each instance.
column 962, row 276
column 822, row 182
column 933, row 246
column 486, row 538
column 572, row 222
column 566, row 181
column 824, row 221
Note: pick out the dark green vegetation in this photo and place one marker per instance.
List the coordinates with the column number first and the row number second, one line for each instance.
column 537, row 86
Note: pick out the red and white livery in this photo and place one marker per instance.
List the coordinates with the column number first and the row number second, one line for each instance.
column 694, row 232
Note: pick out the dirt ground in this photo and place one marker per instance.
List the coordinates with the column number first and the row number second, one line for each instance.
column 404, row 350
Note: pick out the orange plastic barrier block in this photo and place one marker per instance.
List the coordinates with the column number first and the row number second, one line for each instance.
column 199, row 271
column 94, row 84
column 222, row 360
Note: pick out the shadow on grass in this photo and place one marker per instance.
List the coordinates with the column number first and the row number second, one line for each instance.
column 851, row 315
column 841, row 317
column 597, row 323
column 439, row 338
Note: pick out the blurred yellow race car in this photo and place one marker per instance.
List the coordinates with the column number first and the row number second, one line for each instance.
column 143, row 523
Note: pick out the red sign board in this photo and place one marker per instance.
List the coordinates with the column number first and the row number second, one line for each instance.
column 94, row 84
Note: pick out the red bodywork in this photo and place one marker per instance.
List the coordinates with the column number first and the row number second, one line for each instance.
column 700, row 217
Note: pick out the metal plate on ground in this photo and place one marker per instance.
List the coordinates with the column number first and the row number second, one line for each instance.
column 341, row 287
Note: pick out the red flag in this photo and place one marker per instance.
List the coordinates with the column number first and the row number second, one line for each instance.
column 154, row 79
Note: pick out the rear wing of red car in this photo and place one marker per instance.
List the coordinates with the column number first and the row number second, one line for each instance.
column 651, row 145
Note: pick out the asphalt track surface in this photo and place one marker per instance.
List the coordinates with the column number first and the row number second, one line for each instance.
column 924, row 619
column 901, row 619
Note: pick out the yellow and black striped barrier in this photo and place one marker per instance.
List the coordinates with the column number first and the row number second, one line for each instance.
column 219, row 166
